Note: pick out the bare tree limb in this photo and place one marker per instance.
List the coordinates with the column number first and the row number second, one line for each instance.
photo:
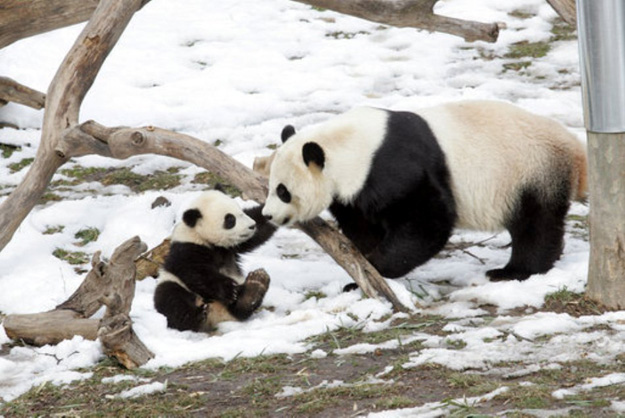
column 410, row 13
column 91, row 138
column 23, row 18
column 65, row 95
column 12, row 91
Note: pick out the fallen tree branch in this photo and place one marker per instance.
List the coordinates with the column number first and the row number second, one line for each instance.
column 93, row 138
column 412, row 14
column 12, row 91
column 112, row 284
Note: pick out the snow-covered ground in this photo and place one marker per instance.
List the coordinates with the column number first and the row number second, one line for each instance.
column 237, row 72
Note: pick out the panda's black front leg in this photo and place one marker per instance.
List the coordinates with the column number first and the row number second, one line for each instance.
column 407, row 245
column 365, row 235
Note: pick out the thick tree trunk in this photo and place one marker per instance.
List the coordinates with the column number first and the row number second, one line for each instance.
column 566, row 9
column 606, row 275
column 410, row 13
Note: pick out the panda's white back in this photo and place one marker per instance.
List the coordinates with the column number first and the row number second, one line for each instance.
column 492, row 149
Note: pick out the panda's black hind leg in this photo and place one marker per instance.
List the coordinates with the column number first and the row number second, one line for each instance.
column 251, row 294
column 537, row 231
column 181, row 308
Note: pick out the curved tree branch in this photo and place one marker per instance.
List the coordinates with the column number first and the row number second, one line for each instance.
column 410, row 14
column 93, row 138
column 65, row 95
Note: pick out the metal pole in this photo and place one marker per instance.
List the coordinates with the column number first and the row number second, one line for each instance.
column 601, row 33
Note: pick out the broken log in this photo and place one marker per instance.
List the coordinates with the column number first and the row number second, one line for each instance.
column 12, row 91
column 111, row 283
column 116, row 334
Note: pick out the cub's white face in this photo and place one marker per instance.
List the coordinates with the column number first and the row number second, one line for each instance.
column 214, row 219
column 297, row 192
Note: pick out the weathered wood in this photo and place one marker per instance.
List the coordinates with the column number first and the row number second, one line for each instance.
column 86, row 300
column 115, row 332
column 149, row 263
column 63, row 100
column 50, row 327
column 93, row 138
column 606, row 272
column 12, row 91
column 566, row 9
column 23, row 18
column 112, row 284
column 410, row 13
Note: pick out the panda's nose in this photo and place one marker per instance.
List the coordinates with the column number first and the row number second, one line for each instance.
column 268, row 217
column 253, row 227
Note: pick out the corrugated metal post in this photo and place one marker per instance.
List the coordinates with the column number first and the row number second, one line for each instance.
column 601, row 32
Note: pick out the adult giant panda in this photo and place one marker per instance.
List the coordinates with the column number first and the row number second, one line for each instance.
column 201, row 282
column 398, row 182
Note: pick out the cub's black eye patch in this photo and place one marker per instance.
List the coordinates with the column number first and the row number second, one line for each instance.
column 229, row 221
column 283, row 193
column 191, row 216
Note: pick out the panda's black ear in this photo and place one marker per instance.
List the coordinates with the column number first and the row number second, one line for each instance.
column 313, row 153
column 287, row 132
column 191, row 216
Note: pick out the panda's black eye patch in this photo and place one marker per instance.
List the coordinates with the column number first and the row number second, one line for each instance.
column 283, row 193
column 191, row 216
column 229, row 221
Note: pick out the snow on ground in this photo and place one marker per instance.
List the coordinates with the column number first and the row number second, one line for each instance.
column 237, row 72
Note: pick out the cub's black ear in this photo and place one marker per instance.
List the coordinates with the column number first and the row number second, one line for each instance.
column 191, row 216
column 313, row 153
column 287, row 132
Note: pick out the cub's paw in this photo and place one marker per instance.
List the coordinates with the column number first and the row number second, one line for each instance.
column 257, row 278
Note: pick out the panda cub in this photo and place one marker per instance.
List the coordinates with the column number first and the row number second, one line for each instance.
column 399, row 182
column 201, row 282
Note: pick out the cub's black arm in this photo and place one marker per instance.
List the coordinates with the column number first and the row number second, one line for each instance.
column 264, row 230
